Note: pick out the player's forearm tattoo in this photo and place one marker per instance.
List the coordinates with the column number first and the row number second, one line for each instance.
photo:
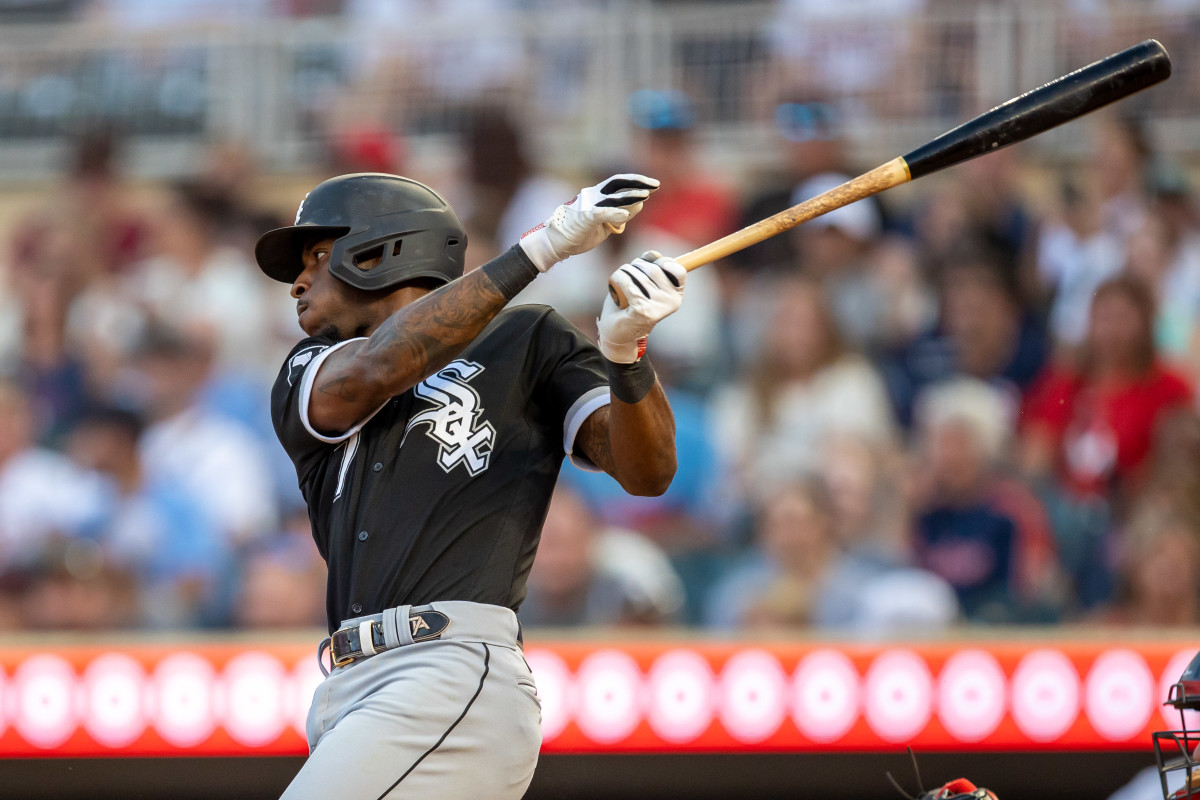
column 424, row 336
column 421, row 338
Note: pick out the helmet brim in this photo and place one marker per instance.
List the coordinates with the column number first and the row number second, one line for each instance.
column 279, row 251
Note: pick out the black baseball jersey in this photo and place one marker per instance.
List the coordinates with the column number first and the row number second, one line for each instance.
column 442, row 492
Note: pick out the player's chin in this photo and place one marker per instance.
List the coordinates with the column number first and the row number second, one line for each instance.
column 312, row 321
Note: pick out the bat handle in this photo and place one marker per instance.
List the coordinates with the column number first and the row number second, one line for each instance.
column 885, row 176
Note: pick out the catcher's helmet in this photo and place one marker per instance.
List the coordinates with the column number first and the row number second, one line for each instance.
column 1175, row 750
column 407, row 225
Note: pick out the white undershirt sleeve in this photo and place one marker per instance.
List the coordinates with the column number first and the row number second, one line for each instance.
column 577, row 414
column 306, row 386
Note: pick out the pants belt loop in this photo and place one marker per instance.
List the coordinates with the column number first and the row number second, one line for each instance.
column 321, row 648
column 395, row 626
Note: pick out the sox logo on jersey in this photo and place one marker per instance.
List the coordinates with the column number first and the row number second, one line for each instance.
column 454, row 420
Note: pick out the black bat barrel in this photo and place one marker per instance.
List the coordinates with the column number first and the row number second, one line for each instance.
column 1047, row 106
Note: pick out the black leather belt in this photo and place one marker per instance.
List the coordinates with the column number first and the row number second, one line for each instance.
column 349, row 644
column 346, row 644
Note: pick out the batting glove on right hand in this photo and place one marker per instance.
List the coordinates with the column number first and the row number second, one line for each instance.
column 587, row 219
column 653, row 285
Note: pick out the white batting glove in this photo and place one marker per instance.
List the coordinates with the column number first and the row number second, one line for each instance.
column 653, row 285
column 587, row 219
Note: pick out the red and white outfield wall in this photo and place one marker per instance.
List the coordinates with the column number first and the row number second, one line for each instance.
column 233, row 698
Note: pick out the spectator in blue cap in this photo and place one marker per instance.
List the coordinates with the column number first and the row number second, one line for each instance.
column 689, row 206
column 810, row 143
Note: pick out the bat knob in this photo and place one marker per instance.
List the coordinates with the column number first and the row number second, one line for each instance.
column 617, row 295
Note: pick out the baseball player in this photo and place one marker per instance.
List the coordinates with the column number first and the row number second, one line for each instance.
column 427, row 424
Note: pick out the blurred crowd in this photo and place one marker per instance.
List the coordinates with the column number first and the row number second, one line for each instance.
column 285, row 72
column 976, row 407
column 971, row 403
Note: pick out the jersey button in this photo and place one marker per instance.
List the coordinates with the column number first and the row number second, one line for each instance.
column 378, row 465
column 356, row 608
column 362, row 536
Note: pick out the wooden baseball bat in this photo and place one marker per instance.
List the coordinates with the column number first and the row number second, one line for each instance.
column 1048, row 106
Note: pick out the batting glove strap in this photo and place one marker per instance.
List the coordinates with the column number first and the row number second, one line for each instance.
column 587, row 219
column 653, row 286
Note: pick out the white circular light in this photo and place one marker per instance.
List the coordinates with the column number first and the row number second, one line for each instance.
column 682, row 694
column 898, row 695
column 184, row 709
column 1119, row 695
column 972, row 695
column 610, row 687
column 256, row 711
column 555, row 689
column 1045, row 695
column 753, row 692
column 114, row 700
column 826, row 695
column 44, row 687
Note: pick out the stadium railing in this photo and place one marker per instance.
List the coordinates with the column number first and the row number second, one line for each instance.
column 283, row 85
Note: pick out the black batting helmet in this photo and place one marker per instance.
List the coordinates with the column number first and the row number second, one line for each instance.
column 407, row 225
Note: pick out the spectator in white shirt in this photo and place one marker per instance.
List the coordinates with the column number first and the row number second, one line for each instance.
column 43, row 496
column 805, row 386
column 199, row 280
column 216, row 459
column 1076, row 254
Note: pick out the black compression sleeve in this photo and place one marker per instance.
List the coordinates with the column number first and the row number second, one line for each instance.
column 629, row 383
column 511, row 271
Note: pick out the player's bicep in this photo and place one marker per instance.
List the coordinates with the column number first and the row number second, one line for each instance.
column 338, row 395
column 592, row 441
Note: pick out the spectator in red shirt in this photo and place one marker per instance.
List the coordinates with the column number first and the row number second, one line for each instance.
column 1093, row 426
column 1088, row 431
column 89, row 214
column 688, row 206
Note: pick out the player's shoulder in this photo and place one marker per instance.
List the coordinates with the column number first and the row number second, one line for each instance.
column 301, row 355
column 524, row 315
column 527, row 334
column 528, row 320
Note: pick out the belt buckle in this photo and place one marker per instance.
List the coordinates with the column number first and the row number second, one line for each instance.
column 344, row 634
